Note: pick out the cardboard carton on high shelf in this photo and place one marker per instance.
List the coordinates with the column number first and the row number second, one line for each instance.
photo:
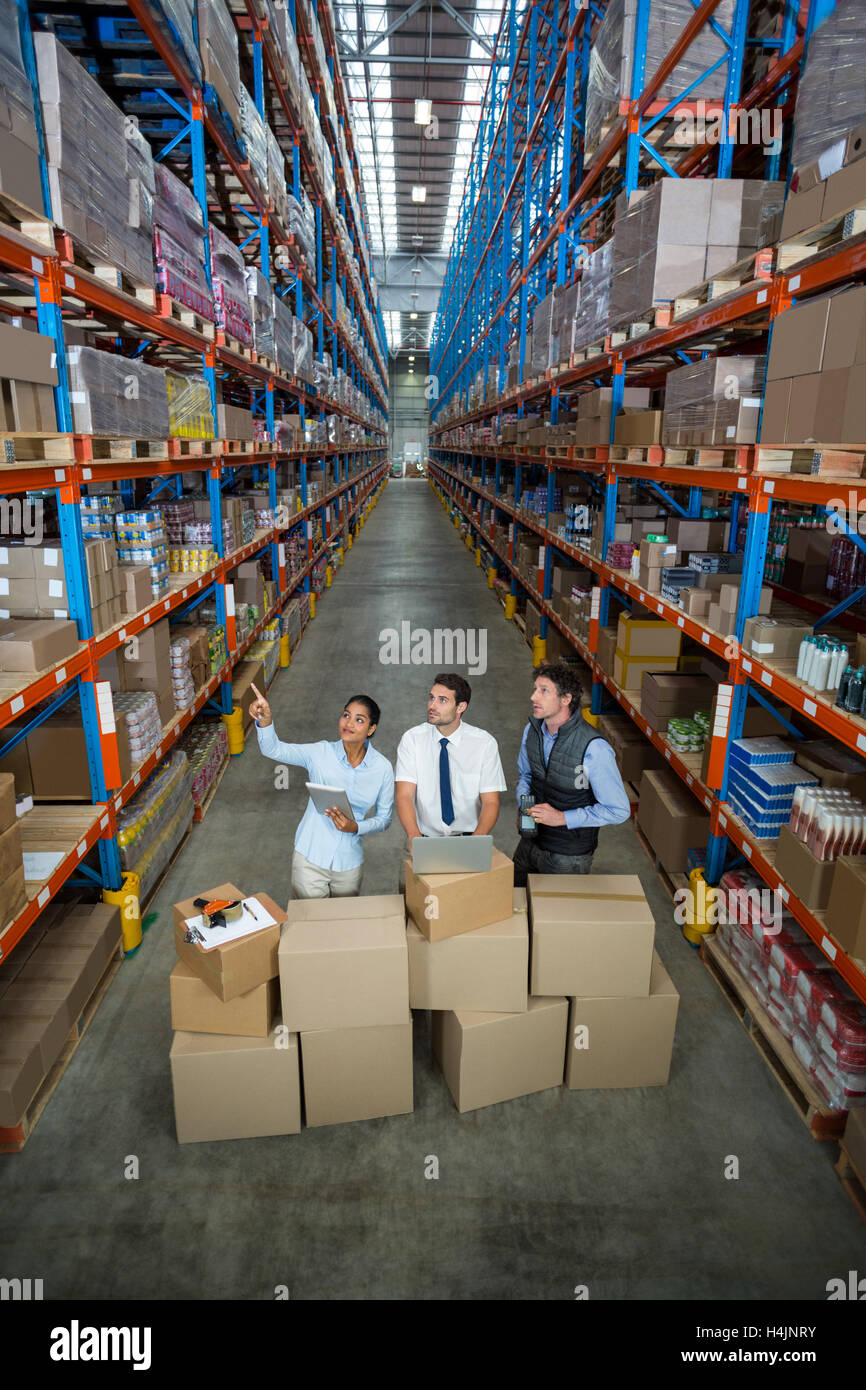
column 809, row 878
column 234, row 423
column 643, row 638
column 235, row 1087
column 354, row 1074
column 343, row 963
column 629, row 671
column 671, row 819
column 196, row 1009
column 606, row 653
column 593, row 933
column 836, row 765
column 57, row 753
column 135, row 591
column 846, row 909
column 634, row 753
column 485, row 969
column 443, row 905
column 27, row 380
column 32, row 645
column 247, row 674
column 806, row 560
column 639, row 427
column 666, row 694
column 770, row 639
column 487, row 1058
column 8, row 814
column 240, row 965
column 615, row 1042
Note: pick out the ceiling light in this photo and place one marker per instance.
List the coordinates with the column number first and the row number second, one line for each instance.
column 416, row 270
column 411, row 359
column 411, row 371
column 419, row 193
column 423, row 111
column 413, row 316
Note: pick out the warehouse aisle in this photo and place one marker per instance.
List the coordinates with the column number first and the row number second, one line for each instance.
column 621, row 1191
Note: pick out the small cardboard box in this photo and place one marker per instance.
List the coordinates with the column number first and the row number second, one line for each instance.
column 32, row 645
column 487, row 1058
column 658, row 554
column 234, row 1087
column 135, row 590
column 590, row 933
column 772, row 640
column 357, row 1073
column 443, row 905
column 239, row 966
column 482, row 970
column 647, row 637
column 343, row 963
column 615, row 1042
column 671, row 819
column 196, row 1009
column 628, row 672
column 846, row 909
column 810, row 879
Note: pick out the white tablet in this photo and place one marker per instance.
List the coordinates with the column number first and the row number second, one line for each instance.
column 324, row 798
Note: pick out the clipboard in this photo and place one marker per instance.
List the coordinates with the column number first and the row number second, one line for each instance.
column 250, row 921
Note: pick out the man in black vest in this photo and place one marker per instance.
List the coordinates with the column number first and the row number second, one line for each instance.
column 570, row 772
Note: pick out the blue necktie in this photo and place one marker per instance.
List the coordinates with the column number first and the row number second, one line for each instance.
column 445, row 783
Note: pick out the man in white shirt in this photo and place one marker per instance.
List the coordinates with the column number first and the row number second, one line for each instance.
column 449, row 774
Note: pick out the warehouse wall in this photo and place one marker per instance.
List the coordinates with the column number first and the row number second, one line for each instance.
column 408, row 406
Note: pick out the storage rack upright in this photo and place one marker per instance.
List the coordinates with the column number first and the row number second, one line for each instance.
column 45, row 278
column 534, row 201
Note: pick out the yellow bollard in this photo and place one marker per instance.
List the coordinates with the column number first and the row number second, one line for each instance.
column 127, row 899
column 510, row 605
column 234, row 723
column 478, row 557
column 539, row 648
column 591, row 718
column 329, row 577
column 349, row 543
column 285, row 651
column 491, row 576
column 696, row 930
column 312, row 605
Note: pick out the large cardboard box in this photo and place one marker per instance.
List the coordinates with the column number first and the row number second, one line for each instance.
column 485, row 969
column 615, row 1042
column 487, row 1058
column 647, row 637
column 634, row 753
column 20, row 1075
column 57, row 751
column 671, row 819
column 239, row 966
column 443, row 905
column 606, row 653
column 13, row 896
column 235, row 1088
column 11, row 856
column 343, row 963
column 357, row 1073
column 835, row 764
column 196, row 1009
column 8, row 814
column 32, row 645
column 629, row 671
column 770, row 639
column 846, row 909
column 797, row 345
column 43, row 1023
column 808, row 878
column 589, row 934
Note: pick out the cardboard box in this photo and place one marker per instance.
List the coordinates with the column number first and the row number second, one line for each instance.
column 13, row 896
column 8, row 814
column 593, row 933
column 634, row 753
column 846, row 908
column 20, row 1075
column 628, row 672
column 770, row 639
column 797, row 344
column 11, row 856
column 647, row 637
column 482, row 970
column 239, row 966
column 343, row 963
column 135, row 592
column 606, row 652
column 855, row 1139
column 658, row 554
column 444, row 905
column 614, row 1042
column 33, row 645
column 774, row 420
column 810, row 879
column 836, row 765
column 642, row 427
column 671, row 819
column 844, row 191
column 357, row 1073
column 246, row 675
column 650, row 578
column 234, row 1087
column 58, row 758
column 487, row 1058
column 44, row 1024
column 196, row 1009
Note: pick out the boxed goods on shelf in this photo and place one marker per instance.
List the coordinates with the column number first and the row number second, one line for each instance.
column 190, row 412
column 34, row 584
column 94, row 155
column 116, row 396
column 255, row 139
column 593, row 313
column 815, row 370
column 232, row 304
column 845, row 915
column 28, row 376
column 284, row 339
column 634, row 753
column 671, row 818
column 594, row 410
column 206, row 747
column 771, row 639
column 178, row 244
column 155, row 820
column 762, row 781
column 487, row 1058
column 830, row 98
column 218, row 45
column 19, row 143
column 262, row 301
column 713, row 401
column 234, row 423
column 57, row 753
column 643, row 645
column 277, row 191
column 667, row 695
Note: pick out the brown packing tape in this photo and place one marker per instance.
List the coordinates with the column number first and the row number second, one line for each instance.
column 602, row 897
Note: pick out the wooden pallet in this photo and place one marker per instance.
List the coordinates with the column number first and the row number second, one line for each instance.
column 657, row 317
column 585, row 354
column 203, row 807
column 244, row 446
column 169, row 308
column 798, row 1086
column 701, row 456
column 637, row 453
column 14, row 1137
column 851, row 1180
column 824, row 237
column 75, row 253
column 193, row 448
column 812, row 460
column 35, row 226
column 234, row 345
column 753, row 269
column 36, row 448
column 120, row 450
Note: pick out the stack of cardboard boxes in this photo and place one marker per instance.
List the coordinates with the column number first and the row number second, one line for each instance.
column 34, row 584
column 27, row 374
column 816, row 377
column 643, row 644
column 12, row 893
column 44, row 986
column 671, row 818
column 144, row 663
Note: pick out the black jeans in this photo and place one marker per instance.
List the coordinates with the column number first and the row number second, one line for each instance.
column 529, row 859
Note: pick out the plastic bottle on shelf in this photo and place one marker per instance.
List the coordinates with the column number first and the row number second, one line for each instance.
column 854, row 693
column 804, row 655
column 821, row 661
column 840, row 661
column 635, row 564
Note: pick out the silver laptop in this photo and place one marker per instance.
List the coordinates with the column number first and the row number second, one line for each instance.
column 452, row 854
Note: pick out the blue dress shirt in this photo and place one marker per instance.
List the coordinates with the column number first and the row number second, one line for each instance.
column 369, row 784
column 611, row 802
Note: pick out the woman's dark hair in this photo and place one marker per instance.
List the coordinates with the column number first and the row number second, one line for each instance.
column 566, row 680
column 369, row 705
column 461, row 688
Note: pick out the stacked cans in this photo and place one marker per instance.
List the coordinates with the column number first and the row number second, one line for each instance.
column 207, row 750
column 98, row 514
column 619, row 554
column 141, row 541
column 176, row 516
column 182, row 687
column 143, row 724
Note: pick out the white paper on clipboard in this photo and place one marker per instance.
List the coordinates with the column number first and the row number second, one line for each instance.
column 233, row 931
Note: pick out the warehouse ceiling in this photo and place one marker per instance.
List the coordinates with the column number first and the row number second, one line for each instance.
column 393, row 54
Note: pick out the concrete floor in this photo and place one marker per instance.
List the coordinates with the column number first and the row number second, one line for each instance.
column 622, row 1191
